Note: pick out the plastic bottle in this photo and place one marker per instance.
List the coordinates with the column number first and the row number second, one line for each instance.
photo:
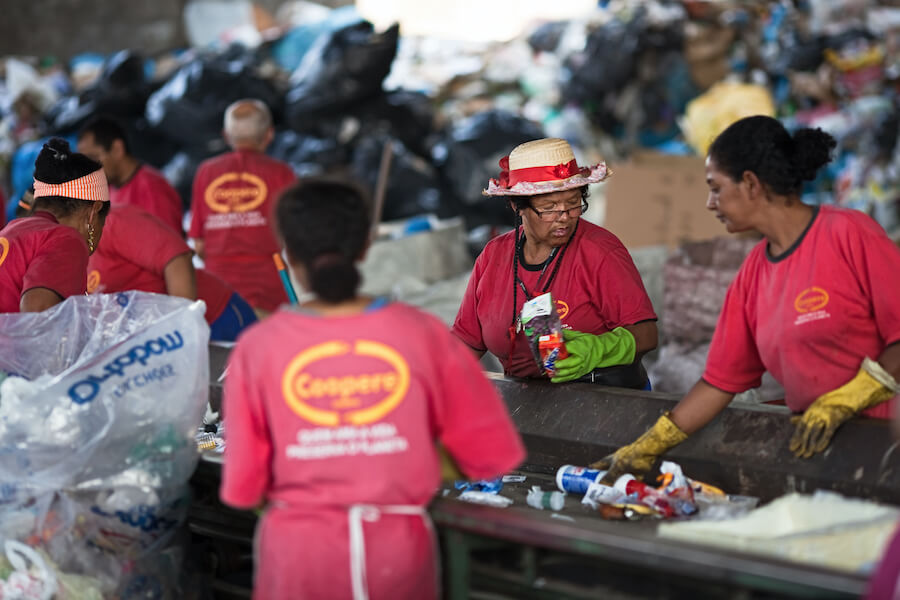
column 648, row 495
column 576, row 480
column 540, row 499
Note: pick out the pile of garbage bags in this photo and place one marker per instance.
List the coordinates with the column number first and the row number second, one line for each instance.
column 99, row 400
column 661, row 74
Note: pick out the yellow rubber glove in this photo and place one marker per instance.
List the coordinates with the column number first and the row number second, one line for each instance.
column 814, row 428
column 638, row 457
column 588, row 352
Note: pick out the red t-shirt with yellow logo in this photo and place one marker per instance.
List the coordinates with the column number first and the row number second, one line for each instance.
column 325, row 413
column 133, row 254
column 231, row 209
column 37, row 251
column 148, row 189
column 597, row 288
column 810, row 315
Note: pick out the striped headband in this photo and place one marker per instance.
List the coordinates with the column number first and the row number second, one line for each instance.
column 91, row 187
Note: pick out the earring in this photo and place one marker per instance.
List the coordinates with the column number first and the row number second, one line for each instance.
column 91, row 237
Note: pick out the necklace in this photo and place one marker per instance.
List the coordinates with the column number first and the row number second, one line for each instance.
column 557, row 254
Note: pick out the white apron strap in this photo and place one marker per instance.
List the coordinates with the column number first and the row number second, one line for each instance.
column 371, row 513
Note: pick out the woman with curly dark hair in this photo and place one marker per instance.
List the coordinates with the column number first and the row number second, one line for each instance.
column 815, row 302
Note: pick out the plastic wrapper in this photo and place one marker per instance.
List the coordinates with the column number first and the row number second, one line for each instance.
column 97, row 417
column 542, row 327
column 489, row 486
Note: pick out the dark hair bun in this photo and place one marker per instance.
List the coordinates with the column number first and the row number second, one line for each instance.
column 812, row 150
column 56, row 163
column 59, row 148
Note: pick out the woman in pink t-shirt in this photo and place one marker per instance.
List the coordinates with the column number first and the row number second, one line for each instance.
column 333, row 411
column 43, row 257
column 814, row 303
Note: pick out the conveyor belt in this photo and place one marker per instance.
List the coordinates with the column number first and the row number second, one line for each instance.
column 521, row 552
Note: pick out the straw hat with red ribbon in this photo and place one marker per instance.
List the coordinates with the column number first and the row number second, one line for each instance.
column 542, row 167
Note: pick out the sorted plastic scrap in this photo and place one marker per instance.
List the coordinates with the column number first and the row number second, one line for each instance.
column 486, row 498
column 677, row 496
column 539, row 499
column 542, row 327
column 488, row 486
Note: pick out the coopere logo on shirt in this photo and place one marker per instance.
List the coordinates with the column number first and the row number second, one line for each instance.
column 353, row 398
column 811, row 299
column 562, row 309
column 4, row 249
column 235, row 192
column 810, row 304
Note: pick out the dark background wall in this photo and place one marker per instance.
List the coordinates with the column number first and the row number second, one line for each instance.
column 65, row 28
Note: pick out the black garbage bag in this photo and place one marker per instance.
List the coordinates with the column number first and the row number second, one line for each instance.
column 307, row 154
column 180, row 170
column 190, row 106
column 547, row 35
column 121, row 91
column 339, row 71
column 468, row 157
column 414, row 185
column 405, row 115
column 148, row 144
column 607, row 63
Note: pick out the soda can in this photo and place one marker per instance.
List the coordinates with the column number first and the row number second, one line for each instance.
column 576, row 480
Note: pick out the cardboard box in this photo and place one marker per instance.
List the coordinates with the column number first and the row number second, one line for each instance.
column 659, row 199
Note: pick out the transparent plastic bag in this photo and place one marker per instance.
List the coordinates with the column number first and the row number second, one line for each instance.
column 98, row 409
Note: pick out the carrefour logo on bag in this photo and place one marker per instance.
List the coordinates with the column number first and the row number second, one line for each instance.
column 355, row 397
column 235, row 192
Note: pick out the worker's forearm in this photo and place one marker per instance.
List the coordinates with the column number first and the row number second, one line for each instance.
column 38, row 299
column 699, row 407
column 180, row 277
column 890, row 360
column 646, row 337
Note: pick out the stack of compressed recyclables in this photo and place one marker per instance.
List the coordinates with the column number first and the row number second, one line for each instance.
column 99, row 400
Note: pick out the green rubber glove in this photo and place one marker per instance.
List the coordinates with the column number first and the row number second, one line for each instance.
column 588, row 352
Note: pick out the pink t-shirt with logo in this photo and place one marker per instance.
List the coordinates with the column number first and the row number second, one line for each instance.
column 810, row 316
column 325, row 413
column 597, row 288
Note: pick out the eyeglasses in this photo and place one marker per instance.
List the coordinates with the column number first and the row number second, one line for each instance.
column 549, row 216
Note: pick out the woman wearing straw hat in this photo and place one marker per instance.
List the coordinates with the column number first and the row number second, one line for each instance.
column 43, row 257
column 601, row 300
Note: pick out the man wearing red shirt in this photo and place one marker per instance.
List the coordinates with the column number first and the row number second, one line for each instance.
column 130, row 181
column 231, row 206
column 138, row 252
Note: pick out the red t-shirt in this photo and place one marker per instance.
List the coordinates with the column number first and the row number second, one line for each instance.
column 215, row 292
column 148, row 189
column 38, row 252
column 231, row 209
column 597, row 288
column 325, row 413
column 811, row 315
column 133, row 254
